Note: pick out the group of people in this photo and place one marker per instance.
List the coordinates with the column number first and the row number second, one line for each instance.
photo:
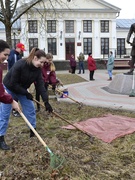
column 73, row 63
column 37, row 68
column 91, row 63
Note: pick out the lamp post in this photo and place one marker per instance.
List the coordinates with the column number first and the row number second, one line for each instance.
column 79, row 36
column 14, row 34
column 60, row 34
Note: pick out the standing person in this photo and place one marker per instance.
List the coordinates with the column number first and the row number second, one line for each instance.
column 4, row 97
column 17, row 81
column 72, row 64
column 81, row 59
column 91, row 66
column 49, row 77
column 14, row 56
column 131, row 31
column 110, row 65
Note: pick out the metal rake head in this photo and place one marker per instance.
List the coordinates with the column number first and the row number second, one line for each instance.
column 56, row 161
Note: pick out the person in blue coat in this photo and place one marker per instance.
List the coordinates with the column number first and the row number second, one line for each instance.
column 110, row 65
column 15, row 55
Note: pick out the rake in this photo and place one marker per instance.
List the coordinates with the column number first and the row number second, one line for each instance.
column 80, row 103
column 56, row 114
column 55, row 161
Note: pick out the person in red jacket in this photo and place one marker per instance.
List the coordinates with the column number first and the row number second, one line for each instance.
column 4, row 96
column 49, row 77
column 91, row 66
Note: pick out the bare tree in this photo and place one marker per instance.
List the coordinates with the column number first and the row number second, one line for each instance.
column 8, row 15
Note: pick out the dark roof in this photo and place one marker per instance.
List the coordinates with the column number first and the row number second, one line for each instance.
column 124, row 23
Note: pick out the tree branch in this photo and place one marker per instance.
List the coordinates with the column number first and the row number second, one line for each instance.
column 23, row 9
column 3, row 12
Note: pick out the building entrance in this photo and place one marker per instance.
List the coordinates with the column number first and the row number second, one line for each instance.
column 70, row 47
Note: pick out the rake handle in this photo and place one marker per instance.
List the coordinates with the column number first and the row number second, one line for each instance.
column 66, row 95
column 31, row 127
column 63, row 119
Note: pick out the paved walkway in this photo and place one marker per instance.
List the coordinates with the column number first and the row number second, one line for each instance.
column 91, row 92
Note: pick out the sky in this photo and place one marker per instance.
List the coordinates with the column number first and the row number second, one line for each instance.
column 127, row 8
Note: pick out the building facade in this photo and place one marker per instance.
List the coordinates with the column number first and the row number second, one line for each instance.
column 71, row 27
column 74, row 26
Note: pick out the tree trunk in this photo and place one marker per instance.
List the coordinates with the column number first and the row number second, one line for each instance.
column 8, row 35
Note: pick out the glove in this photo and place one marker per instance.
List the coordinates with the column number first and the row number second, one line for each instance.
column 29, row 96
column 53, row 87
column 48, row 107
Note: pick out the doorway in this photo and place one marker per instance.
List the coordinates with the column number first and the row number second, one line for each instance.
column 70, row 47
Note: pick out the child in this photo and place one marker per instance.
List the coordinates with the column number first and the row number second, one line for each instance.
column 49, row 76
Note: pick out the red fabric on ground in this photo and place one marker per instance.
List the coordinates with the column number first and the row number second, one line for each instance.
column 107, row 128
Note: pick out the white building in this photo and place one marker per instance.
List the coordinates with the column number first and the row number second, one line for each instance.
column 71, row 27
column 74, row 26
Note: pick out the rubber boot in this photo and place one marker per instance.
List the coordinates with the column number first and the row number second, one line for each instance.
column 3, row 144
column 32, row 133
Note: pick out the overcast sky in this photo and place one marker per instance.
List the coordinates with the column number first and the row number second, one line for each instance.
column 127, row 8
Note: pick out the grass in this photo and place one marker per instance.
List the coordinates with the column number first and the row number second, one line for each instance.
column 28, row 159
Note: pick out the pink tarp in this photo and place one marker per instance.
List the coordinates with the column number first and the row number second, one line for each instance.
column 106, row 128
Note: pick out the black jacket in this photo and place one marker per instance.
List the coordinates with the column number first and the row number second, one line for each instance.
column 21, row 76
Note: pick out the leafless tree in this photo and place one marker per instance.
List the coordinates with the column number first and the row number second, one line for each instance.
column 12, row 10
column 8, row 15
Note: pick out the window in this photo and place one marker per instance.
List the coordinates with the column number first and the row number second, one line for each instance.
column 14, row 42
column 87, row 26
column 51, row 26
column 104, row 26
column 104, row 46
column 69, row 26
column 87, row 45
column 52, row 48
column 33, row 42
column 32, row 26
column 121, row 46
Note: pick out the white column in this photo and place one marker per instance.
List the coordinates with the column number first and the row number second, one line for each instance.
column 113, row 36
column 24, row 36
column 61, row 40
column 79, row 37
column 96, row 39
column 42, row 38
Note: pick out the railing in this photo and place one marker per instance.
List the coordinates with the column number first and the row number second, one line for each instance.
column 119, row 54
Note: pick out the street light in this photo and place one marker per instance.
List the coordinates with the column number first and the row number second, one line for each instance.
column 79, row 36
column 14, row 34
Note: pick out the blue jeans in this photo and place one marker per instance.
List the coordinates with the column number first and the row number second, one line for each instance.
column 81, row 66
column 110, row 73
column 28, row 109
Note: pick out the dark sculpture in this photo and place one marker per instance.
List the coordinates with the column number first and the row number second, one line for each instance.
column 132, row 62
